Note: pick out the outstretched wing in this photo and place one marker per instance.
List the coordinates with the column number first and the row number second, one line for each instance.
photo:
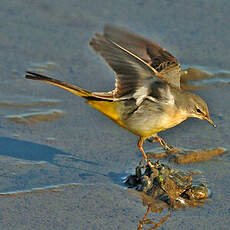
column 134, row 75
column 156, row 56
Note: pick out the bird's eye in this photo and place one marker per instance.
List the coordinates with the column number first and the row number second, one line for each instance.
column 198, row 111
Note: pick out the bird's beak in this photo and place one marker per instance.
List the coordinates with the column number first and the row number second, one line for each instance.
column 210, row 121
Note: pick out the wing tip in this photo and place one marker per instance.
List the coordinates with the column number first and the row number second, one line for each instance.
column 97, row 41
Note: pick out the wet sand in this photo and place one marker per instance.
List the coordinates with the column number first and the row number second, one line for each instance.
column 82, row 149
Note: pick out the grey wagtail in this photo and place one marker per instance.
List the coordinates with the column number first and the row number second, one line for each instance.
column 147, row 97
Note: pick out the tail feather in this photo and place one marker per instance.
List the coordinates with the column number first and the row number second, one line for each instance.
column 71, row 88
column 102, row 102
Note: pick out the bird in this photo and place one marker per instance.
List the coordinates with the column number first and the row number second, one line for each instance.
column 147, row 97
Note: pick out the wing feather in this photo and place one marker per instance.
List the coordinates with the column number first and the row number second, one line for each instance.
column 157, row 57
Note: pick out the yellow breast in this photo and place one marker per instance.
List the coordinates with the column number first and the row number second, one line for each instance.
column 144, row 127
column 108, row 108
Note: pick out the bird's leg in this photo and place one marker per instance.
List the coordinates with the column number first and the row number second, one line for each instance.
column 162, row 143
column 140, row 144
column 141, row 221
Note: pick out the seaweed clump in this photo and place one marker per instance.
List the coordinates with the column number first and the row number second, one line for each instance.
column 162, row 187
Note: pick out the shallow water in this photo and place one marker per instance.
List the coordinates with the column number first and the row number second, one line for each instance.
column 83, row 148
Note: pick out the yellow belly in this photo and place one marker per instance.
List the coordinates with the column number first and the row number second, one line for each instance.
column 108, row 108
column 112, row 110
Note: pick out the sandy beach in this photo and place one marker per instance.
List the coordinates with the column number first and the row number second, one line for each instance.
column 62, row 163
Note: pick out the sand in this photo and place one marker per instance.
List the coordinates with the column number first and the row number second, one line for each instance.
column 66, row 172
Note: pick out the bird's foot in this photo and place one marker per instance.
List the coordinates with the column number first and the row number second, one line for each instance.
column 148, row 163
column 164, row 144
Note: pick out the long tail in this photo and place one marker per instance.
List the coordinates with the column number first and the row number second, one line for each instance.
column 72, row 88
column 102, row 102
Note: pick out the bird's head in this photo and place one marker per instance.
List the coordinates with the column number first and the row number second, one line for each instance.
column 198, row 108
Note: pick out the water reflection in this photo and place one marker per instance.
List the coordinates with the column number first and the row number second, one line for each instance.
column 194, row 78
column 162, row 187
column 51, row 188
column 186, row 156
column 36, row 117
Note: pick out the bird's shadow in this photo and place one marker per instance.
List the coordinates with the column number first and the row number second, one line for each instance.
column 32, row 151
column 25, row 150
